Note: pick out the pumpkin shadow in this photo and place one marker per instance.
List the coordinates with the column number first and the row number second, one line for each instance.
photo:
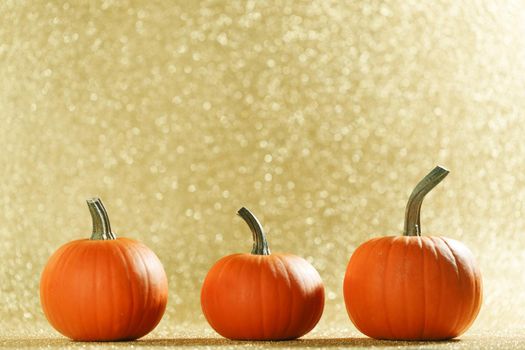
column 20, row 343
column 361, row 343
column 297, row 343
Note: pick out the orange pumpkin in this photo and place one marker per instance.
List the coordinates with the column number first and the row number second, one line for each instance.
column 411, row 287
column 262, row 296
column 103, row 288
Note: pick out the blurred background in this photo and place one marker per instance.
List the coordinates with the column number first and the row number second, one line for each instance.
column 319, row 116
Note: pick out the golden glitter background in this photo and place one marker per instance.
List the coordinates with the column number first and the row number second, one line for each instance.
column 319, row 116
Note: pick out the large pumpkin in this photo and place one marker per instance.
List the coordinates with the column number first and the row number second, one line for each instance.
column 103, row 288
column 262, row 296
column 412, row 287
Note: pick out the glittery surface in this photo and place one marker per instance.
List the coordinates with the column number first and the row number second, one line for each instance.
column 320, row 116
column 335, row 338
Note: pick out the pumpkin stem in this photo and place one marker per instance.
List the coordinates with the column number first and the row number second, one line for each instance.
column 260, row 244
column 101, row 227
column 413, row 209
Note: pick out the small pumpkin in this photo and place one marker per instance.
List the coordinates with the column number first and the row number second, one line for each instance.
column 103, row 288
column 262, row 296
column 412, row 287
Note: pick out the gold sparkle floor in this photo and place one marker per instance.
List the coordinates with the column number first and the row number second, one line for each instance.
column 332, row 339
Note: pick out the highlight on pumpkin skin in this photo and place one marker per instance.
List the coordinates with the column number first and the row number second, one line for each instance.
column 127, row 272
column 413, row 287
column 262, row 296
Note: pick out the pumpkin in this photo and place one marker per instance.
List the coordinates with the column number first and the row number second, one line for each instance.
column 103, row 288
column 412, row 287
column 262, row 296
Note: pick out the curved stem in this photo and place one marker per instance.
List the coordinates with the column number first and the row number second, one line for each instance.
column 260, row 244
column 101, row 226
column 413, row 209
